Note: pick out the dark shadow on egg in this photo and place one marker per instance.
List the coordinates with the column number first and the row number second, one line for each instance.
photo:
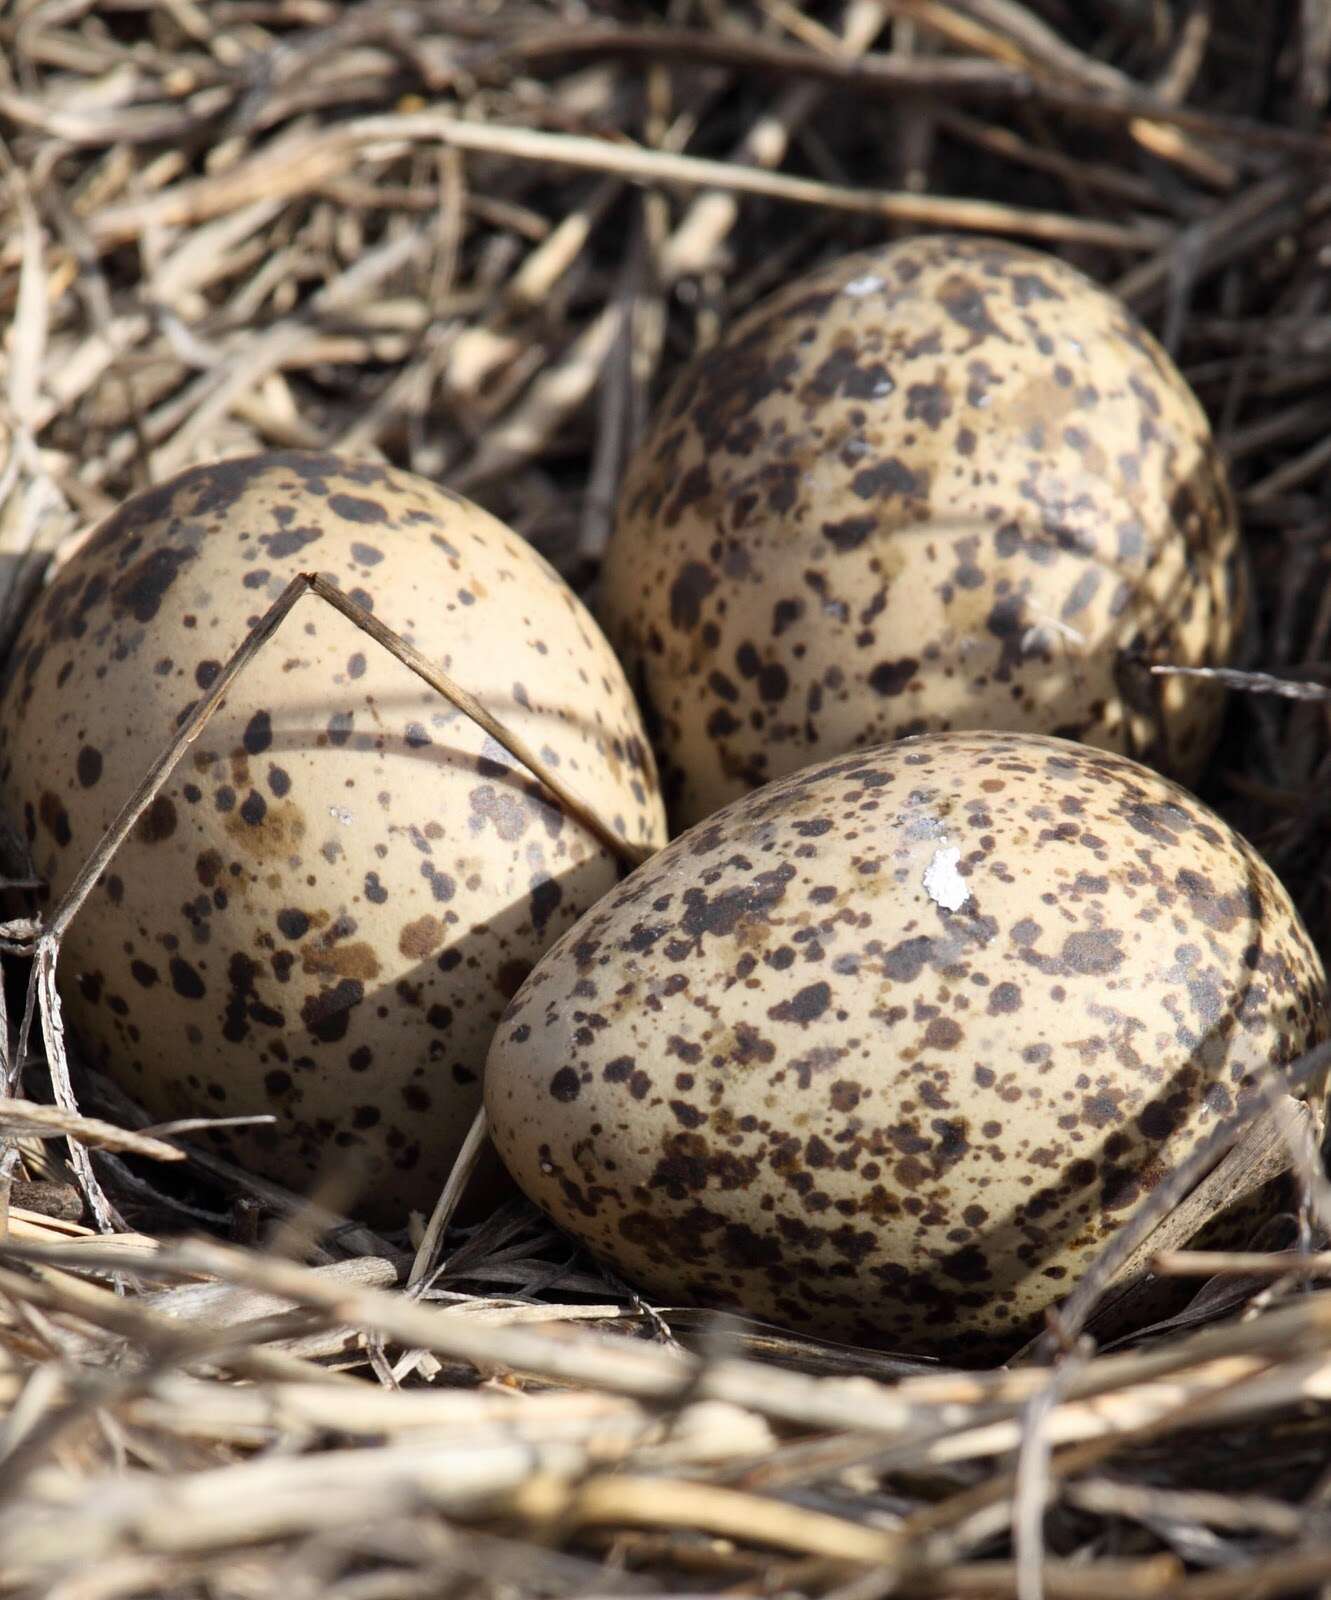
column 235, row 737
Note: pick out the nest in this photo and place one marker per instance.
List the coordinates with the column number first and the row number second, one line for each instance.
column 475, row 240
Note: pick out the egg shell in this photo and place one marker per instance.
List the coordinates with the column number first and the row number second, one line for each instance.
column 888, row 1049
column 949, row 483
column 325, row 910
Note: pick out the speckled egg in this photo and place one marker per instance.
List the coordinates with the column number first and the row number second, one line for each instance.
column 890, row 1048
column 328, row 906
column 945, row 484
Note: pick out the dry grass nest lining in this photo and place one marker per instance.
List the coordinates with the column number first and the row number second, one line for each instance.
column 476, row 239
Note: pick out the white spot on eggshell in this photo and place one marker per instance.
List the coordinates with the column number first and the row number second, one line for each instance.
column 868, row 284
column 1041, row 635
column 942, row 882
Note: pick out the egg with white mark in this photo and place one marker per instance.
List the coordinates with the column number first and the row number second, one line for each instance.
column 950, row 483
column 325, row 910
column 889, row 1049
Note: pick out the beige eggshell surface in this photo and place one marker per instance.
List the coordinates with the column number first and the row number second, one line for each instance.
column 949, row 483
column 324, row 912
column 888, row 1049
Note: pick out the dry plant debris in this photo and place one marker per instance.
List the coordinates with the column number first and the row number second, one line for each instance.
column 475, row 239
